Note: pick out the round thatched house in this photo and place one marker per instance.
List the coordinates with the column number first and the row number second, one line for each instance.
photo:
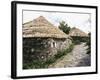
column 77, row 32
column 78, row 35
column 42, row 40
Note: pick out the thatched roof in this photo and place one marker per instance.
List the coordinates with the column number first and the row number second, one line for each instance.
column 40, row 27
column 77, row 32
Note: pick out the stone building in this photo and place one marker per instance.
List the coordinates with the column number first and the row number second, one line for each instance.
column 42, row 40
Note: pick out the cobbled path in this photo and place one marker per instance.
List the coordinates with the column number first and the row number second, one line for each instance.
column 76, row 58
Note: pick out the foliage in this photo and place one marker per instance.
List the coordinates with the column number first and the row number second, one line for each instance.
column 64, row 27
column 44, row 64
column 78, row 39
column 89, row 44
column 64, row 52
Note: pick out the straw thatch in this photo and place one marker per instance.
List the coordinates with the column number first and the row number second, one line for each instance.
column 77, row 32
column 40, row 27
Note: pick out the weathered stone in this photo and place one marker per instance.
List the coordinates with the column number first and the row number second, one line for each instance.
column 42, row 49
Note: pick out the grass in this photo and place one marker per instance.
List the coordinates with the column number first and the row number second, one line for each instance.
column 44, row 64
column 64, row 52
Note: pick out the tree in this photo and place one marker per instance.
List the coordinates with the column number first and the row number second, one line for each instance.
column 64, row 27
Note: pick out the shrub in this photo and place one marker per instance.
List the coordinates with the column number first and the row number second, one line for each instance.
column 64, row 52
column 78, row 39
column 44, row 64
column 49, row 61
column 88, row 43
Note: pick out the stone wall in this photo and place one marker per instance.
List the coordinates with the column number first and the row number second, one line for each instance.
column 42, row 49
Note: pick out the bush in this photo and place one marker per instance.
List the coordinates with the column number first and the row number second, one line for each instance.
column 78, row 39
column 64, row 52
column 88, row 43
column 44, row 64
column 49, row 61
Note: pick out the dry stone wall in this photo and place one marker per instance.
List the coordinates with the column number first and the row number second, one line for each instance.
column 42, row 49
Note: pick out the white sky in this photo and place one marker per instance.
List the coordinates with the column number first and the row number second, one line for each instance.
column 79, row 20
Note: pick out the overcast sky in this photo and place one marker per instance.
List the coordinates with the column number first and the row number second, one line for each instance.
column 79, row 20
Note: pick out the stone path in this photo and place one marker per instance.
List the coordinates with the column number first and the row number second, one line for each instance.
column 76, row 58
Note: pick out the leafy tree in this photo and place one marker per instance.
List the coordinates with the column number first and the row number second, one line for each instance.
column 64, row 27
